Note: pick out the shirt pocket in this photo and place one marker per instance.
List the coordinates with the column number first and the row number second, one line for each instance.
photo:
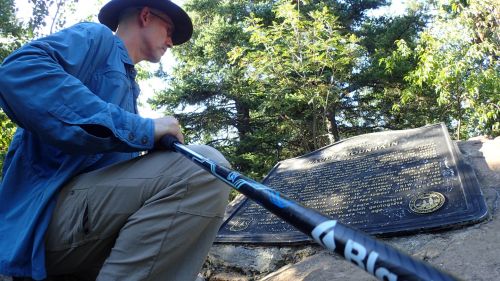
column 114, row 87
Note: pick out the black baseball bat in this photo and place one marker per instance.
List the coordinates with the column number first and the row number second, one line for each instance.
column 372, row 255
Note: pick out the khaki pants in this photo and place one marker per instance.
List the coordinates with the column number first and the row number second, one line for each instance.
column 150, row 218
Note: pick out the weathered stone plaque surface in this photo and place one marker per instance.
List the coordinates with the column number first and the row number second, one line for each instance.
column 386, row 183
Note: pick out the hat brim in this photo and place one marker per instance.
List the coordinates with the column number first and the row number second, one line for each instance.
column 183, row 27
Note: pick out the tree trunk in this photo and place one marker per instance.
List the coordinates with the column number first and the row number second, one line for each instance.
column 333, row 129
column 242, row 120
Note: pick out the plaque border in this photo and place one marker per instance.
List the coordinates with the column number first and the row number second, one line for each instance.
column 476, row 210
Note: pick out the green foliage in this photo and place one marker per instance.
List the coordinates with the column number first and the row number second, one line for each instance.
column 264, row 81
column 300, row 63
column 208, row 94
column 6, row 134
column 40, row 19
column 458, row 66
column 12, row 34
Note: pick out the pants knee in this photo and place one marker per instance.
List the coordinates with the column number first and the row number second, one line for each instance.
column 209, row 191
column 210, row 153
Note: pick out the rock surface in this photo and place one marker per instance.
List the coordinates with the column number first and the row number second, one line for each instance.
column 470, row 253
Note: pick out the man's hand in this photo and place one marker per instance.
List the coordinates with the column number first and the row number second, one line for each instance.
column 167, row 126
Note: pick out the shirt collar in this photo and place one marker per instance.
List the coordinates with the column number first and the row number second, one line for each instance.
column 123, row 51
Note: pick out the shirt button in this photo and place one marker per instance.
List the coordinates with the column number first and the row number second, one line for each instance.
column 131, row 136
column 144, row 140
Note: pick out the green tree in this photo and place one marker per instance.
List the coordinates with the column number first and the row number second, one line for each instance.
column 12, row 34
column 301, row 63
column 225, row 104
column 458, row 66
column 51, row 13
column 216, row 94
column 380, row 106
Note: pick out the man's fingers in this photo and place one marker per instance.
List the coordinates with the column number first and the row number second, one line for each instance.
column 168, row 126
column 180, row 137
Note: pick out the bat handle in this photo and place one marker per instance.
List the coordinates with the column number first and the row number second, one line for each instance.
column 169, row 142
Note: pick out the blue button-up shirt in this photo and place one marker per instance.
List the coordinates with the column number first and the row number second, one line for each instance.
column 73, row 95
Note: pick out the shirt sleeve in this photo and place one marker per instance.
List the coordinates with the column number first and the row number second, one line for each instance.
column 41, row 90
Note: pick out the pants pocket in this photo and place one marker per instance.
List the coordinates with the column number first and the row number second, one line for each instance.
column 71, row 224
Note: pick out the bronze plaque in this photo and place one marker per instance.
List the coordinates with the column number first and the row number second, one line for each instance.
column 387, row 183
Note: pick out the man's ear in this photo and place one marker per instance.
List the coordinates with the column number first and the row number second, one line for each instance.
column 144, row 17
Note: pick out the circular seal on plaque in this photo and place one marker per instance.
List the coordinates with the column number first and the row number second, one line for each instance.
column 427, row 202
column 239, row 225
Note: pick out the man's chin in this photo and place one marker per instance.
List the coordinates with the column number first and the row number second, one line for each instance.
column 154, row 60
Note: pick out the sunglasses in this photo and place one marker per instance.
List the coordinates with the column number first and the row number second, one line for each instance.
column 168, row 21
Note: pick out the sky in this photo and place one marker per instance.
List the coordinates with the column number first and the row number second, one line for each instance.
column 91, row 7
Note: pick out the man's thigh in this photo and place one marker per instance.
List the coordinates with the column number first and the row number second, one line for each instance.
column 93, row 207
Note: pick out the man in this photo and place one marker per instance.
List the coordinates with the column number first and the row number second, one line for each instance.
column 76, row 200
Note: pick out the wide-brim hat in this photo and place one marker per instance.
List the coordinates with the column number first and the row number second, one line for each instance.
column 183, row 27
